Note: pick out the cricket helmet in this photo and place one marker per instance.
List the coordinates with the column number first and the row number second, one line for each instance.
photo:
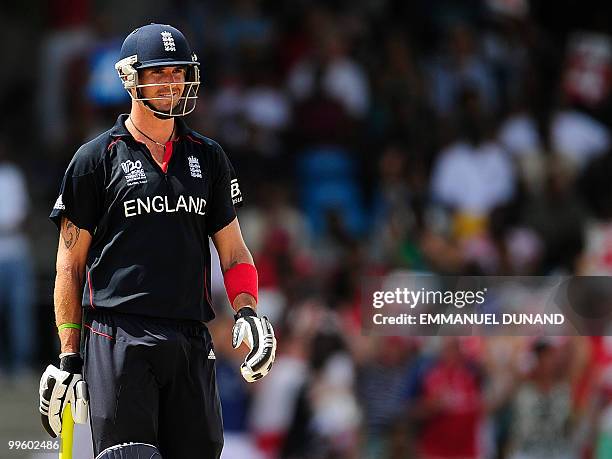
column 159, row 45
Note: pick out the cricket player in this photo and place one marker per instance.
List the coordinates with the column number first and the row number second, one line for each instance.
column 135, row 212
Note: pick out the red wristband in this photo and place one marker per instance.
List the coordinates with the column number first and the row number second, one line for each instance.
column 240, row 278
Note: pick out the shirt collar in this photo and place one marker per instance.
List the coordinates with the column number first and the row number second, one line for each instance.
column 119, row 129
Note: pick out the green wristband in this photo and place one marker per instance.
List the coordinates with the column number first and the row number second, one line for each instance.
column 68, row 325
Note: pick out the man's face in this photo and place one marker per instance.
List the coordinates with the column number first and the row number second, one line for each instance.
column 171, row 81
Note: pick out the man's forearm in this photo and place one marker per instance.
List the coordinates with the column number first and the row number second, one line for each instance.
column 233, row 252
column 240, row 255
column 67, row 298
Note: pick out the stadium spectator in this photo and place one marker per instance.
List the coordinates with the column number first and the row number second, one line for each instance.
column 17, row 294
column 446, row 398
column 544, row 423
column 342, row 77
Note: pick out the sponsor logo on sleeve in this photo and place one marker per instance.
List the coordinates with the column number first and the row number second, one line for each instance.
column 235, row 191
column 59, row 204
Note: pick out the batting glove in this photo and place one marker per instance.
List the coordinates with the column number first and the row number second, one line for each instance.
column 259, row 337
column 60, row 386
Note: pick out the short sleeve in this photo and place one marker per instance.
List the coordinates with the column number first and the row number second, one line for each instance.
column 80, row 197
column 226, row 195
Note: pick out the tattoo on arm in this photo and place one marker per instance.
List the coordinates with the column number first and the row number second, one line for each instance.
column 70, row 234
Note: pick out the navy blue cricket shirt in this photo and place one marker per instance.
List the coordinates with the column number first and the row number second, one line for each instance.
column 149, row 253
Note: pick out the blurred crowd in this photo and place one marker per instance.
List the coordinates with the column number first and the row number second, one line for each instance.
column 436, row 136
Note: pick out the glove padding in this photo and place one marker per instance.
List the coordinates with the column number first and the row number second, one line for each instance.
column 259, row 337
column 60, row 386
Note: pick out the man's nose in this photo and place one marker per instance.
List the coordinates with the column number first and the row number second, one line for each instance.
column 170, row 77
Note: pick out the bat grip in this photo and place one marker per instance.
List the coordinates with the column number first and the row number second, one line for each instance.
column 65, row 451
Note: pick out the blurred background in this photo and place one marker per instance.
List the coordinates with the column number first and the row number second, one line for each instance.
column 455, row 137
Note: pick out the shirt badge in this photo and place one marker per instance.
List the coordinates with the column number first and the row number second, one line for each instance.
column 194, row 167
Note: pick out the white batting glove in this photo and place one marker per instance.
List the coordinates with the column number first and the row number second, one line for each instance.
column 59, row 386
column 259, row 337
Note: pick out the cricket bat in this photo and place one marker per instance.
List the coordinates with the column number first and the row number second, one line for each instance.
column 65, row 451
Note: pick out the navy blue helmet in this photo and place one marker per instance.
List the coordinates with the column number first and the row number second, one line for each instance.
column 159, row 45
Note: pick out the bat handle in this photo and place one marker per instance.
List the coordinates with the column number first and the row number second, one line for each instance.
column 65, row 451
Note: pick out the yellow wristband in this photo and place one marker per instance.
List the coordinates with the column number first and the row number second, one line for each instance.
column 68, row 325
